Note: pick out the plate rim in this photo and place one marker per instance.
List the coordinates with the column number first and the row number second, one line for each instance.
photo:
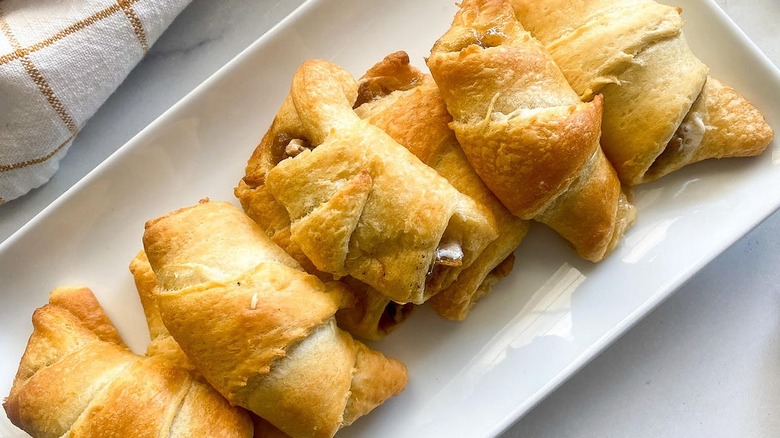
column 582, row 360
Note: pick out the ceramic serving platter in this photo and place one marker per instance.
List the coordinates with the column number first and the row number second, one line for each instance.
column 474, row 378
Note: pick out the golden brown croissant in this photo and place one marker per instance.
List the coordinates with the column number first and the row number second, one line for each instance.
column 406, row 104
column 360, row 204
column 661, row 109
column 77, row 378
column 162, row 343
column 259, row 328
column 525, row 131
column 367, row 313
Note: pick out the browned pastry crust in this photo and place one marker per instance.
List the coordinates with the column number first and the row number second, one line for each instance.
column 366, row 313
column 662, row 110
column 259, row 328
column 406, row 104
column 360, row 205
column 77, row 378
column 525, row 131
column 162, row 343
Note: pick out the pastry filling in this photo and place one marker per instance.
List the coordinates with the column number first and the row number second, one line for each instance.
column 683, row 144
column 492, row 37
column 448, row 255
column 295, row 147
column 688, row 135
column 394, row 314
column 288, row 145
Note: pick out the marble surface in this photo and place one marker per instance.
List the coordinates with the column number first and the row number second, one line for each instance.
column 704, row 363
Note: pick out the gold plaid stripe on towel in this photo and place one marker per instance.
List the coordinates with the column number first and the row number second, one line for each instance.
column 59, row 61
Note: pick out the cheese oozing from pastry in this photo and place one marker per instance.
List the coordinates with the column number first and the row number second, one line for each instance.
column 448, row 254
column 689, row 134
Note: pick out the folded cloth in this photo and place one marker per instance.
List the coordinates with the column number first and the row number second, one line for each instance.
column 59, row 61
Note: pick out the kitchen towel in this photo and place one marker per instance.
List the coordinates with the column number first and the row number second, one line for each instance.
column 59, row 61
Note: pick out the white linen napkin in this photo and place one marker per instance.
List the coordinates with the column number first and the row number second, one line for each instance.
column 59, row 61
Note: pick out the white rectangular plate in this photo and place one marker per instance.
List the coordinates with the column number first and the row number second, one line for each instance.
column 552, row 315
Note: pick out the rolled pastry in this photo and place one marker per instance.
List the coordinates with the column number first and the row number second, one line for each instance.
column 661, row 109
column 367, row 314
column 164, row 345
column 77, row 378
column 406, row 104
column 259, row 328
column 525, row 131
column 360, row 204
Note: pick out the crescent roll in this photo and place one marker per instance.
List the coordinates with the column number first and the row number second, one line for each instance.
column 164, row 345
column 406, row 104
column 77, row 378
column 260, row 329
column 367, row 314
column 662, row 110
column 525, row 131
column 360, row 204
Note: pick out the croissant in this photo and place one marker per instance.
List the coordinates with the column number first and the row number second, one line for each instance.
column 360, row 204
column 164, row 345
column 76, row 378
column 406, row 104
column 366, row 313
column 525, row 131
column 259, row 328
column 662, row 110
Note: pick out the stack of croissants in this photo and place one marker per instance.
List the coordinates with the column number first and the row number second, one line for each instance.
column 369, row 197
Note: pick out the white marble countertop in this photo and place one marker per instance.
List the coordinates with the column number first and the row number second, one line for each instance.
column 704, row 363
